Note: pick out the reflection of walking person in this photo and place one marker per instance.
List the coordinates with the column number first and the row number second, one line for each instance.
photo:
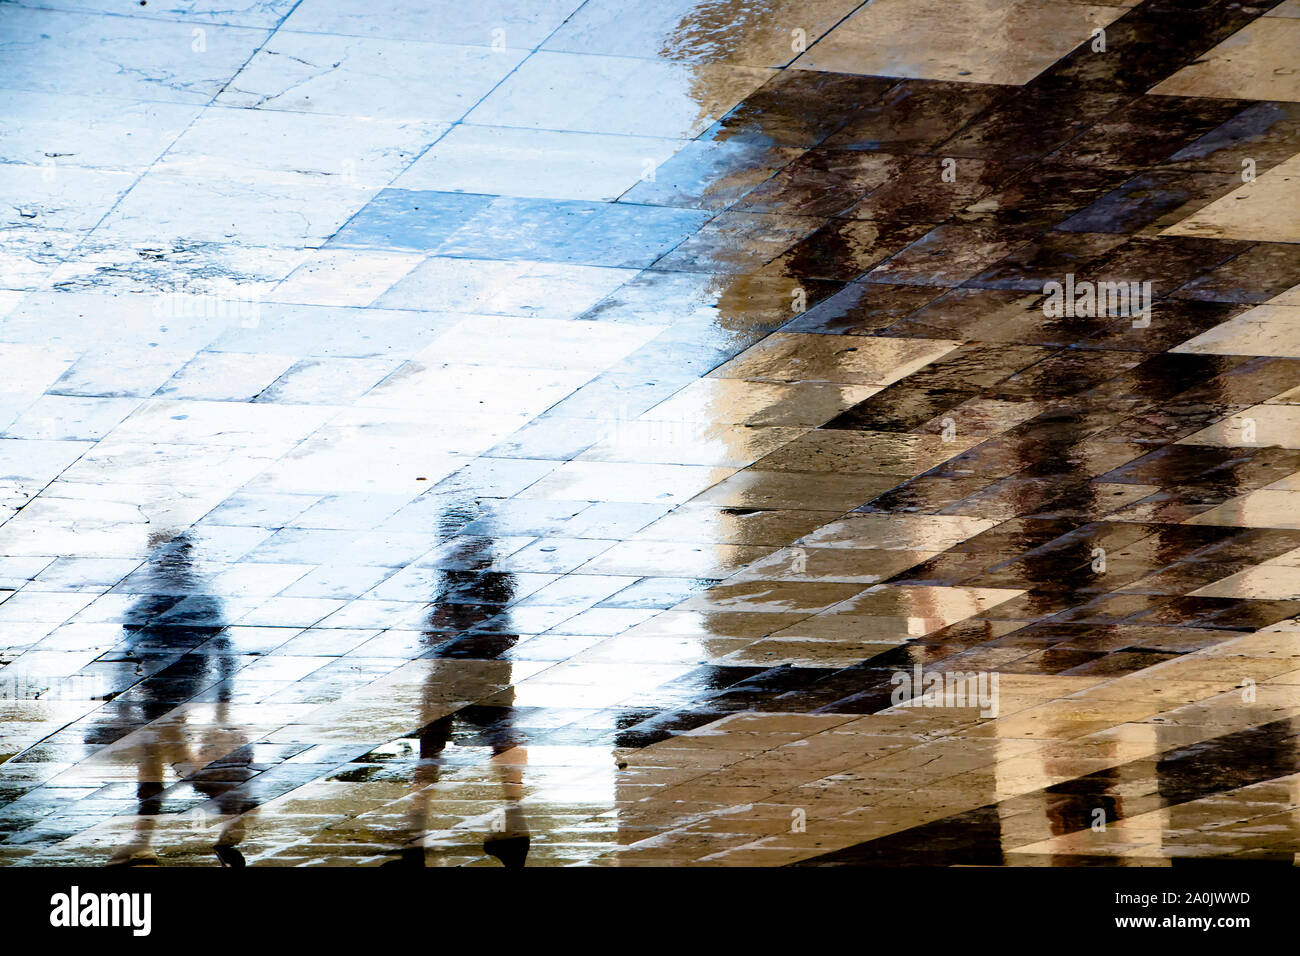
column 510, row 840
column 172, row 617
column 468, row 627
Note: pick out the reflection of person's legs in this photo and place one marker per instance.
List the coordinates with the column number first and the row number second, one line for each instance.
column 509, row 839
column 433, row 739
column 227, row 846
column 230, row 805
column 136, row 851
column 168, row 748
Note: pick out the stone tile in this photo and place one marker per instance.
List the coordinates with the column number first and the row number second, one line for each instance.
column 983, row 42
column 1250, row 64
column 1256, row 210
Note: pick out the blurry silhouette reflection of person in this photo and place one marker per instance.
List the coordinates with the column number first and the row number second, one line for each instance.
column 470, row 596
column 194, row 618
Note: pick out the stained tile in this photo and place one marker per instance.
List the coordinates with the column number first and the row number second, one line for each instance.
column 793, row 357
column 989, row 43
column 149, row 59
column 1256, row 210
column 1250, row 64
column 348, row 75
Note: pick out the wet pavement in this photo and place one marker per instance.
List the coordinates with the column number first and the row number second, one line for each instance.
column 577, row 433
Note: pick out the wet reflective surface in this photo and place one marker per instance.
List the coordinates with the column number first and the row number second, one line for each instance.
column 570, row 433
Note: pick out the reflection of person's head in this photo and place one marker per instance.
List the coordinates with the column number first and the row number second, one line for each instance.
column 175, row 607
